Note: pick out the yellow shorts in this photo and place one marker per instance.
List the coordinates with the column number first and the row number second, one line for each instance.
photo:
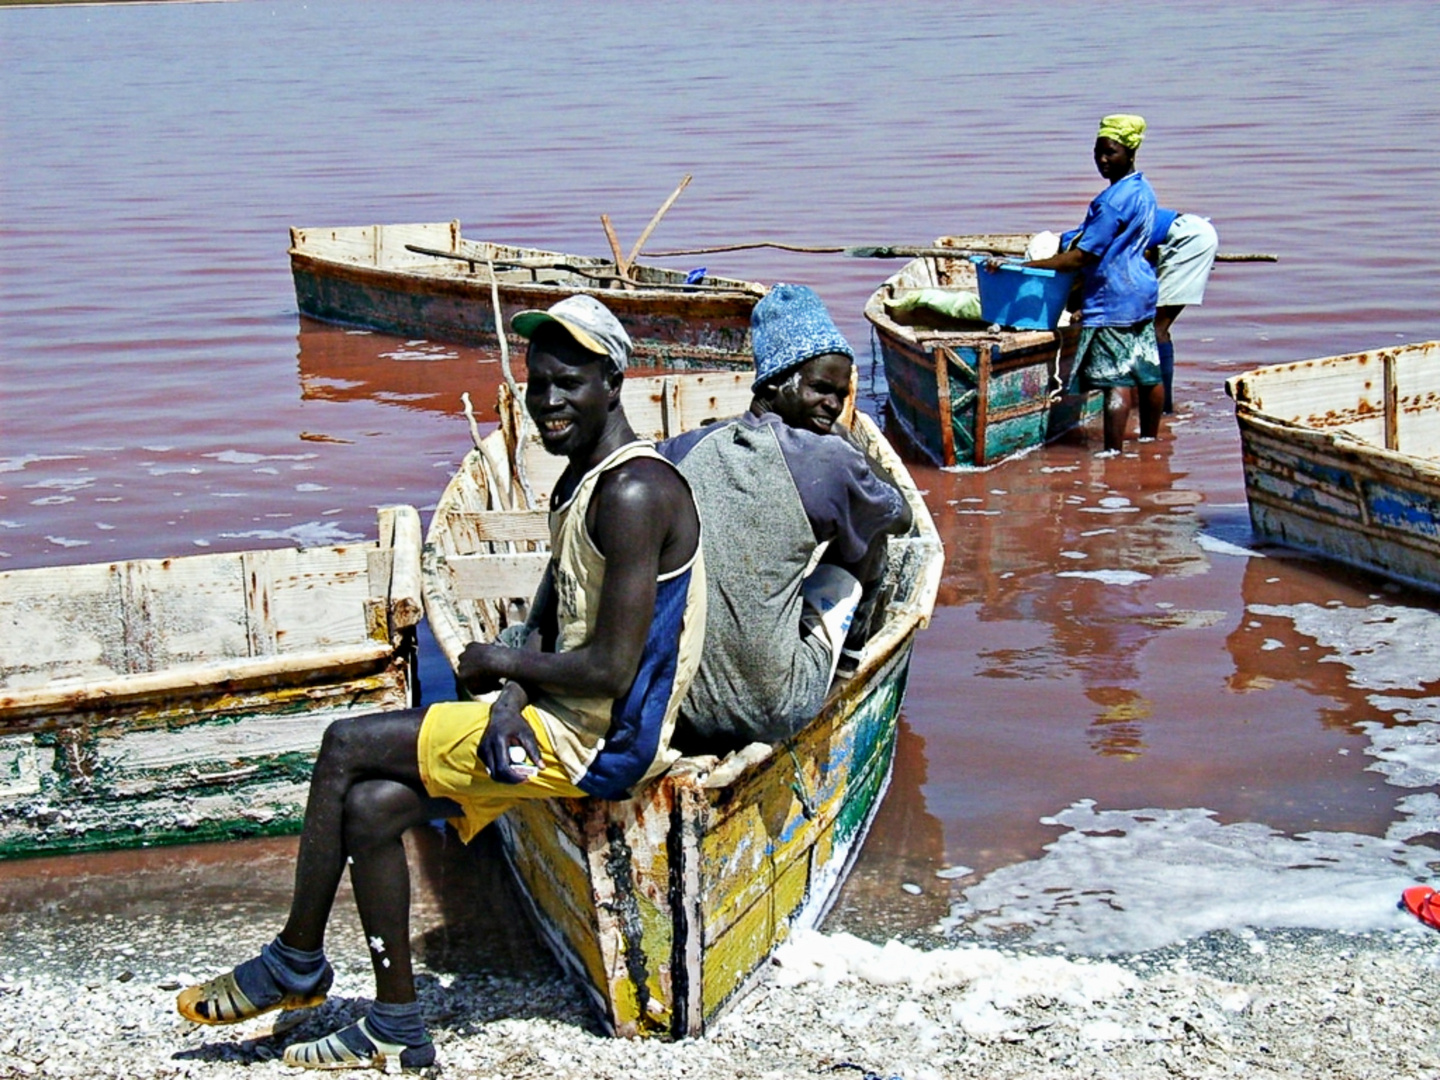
column 450, row 767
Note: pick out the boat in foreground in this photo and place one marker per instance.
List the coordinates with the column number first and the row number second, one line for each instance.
column 425, row 280
column 166, row 700
column 1342, row 457
column 963, row 392
column 664, row 906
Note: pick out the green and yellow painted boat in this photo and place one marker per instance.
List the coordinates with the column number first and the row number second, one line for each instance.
column 962, row 392
column 665, row 906
column 166, row 700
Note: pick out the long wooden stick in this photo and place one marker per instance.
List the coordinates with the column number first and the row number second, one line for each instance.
column 500, row 329
column 746, row 247
column 622, row 266
column 664, row 207
column 898, row 251
column 588, row 273
column 1238, row 256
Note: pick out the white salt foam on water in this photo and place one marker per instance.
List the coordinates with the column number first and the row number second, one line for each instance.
column 309, row 534
column 1119, row 881
column 1108, row 577
column 1216, row 546
column 1122, row 881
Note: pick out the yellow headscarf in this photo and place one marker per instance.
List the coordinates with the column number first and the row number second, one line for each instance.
column 1125, row 128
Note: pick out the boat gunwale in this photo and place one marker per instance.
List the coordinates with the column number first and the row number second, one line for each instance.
column 1245, row 387
column 722, row 290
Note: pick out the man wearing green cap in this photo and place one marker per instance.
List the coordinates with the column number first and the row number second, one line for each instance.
column 1118, row 289
column 587, row 708
column 773, row 486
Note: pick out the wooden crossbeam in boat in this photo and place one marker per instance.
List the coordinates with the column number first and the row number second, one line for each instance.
column 498, row 577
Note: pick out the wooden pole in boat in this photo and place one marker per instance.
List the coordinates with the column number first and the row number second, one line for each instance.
column 500, row 329
column 621, row 266
column 470, row 416
column 518, row 452
column 664, row 209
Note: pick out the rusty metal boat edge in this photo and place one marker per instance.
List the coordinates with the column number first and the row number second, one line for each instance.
column 968, row 395
column 372, row 276
column 666, row 906
column 160, row 701
column 1340, row 457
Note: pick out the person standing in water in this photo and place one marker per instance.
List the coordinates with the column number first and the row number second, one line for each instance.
column 1117, row 350
column 1183, row 247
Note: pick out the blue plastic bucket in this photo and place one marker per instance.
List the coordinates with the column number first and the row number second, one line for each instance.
column 1021, row 297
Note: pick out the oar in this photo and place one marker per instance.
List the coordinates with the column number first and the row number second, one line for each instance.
column 622, row 265
column 899, row 251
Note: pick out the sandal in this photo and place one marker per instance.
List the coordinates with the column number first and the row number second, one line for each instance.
column 1424, row 903
column 356, row 1047
column 221, row 1001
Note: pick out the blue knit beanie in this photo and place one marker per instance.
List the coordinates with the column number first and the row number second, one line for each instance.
column 789, row 326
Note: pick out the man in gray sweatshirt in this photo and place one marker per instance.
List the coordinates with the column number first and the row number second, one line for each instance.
column 774, row 486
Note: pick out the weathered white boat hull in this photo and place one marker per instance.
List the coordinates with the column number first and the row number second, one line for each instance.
column 1342, row 458
column 369, row 276
column 166, row 700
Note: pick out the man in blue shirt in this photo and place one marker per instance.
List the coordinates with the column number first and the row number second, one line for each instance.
column 1118, row 288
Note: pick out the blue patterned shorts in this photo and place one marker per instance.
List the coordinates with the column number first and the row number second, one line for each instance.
column 1107, row 356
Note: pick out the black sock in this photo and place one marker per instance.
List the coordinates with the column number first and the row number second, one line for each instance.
column 398, row 1023
column 280, row 970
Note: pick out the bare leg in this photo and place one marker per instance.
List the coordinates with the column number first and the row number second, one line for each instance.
column 1117, row 416
column 1152, row 406
column 352, row 750
column 1164, row 317
column 377, row 813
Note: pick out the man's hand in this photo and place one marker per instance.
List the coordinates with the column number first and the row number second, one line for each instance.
column 507, row 732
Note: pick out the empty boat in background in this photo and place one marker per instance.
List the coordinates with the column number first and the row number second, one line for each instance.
column 425, row 280
column 1342, row 457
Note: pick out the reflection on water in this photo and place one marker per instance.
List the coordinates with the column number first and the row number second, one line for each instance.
column 339, row 364
column 1065, row 544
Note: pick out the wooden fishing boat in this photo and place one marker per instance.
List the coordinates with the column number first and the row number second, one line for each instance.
column 1342, row 457
column 427, row 281
column 166, row 700
column 666, row 905
column 961, row 392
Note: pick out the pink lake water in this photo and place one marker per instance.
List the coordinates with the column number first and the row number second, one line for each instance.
column 1072, row 746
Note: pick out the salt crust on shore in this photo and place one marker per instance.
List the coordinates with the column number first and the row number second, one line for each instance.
column 1274, row 1003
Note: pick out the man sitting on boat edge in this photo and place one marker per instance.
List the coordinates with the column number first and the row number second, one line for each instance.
column 588, row 708
column 774, row 485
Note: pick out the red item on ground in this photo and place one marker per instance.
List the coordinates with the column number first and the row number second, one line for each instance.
column 1424, row 903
